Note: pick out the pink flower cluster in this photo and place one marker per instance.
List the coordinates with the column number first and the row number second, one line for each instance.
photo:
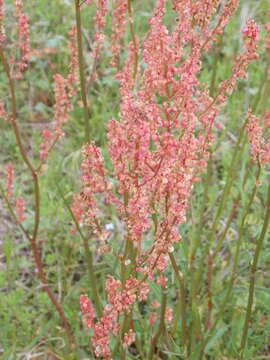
column 73, row 48
column 118, row 27
column 102, row 10
column 65, row 90
column 2, row 16
column 88, row 312
column 94, row 182
column 120, row 302
column 20, row 202
column 63, row 106
column 45, row 145
column 10, row 179
column 160, row 146
column 64, row 93
column 23, row 39
column 240, row 66
column 129, row 337
column 251, row 36
column 3, row 113
column 20, row 209
column 20, row 64
column 260, row 146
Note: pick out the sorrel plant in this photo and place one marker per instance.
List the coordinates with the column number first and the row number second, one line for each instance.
column 159, row 298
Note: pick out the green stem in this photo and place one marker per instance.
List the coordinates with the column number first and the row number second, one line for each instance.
column 161, row 326
column 92, row 276
column 12, row 213
column 235, row 262
column 182, row 300
column 229, row 182
column 230, row 219
column 133, row 36
column 124, row 329
column 124, row 264
column 209, row 290
column 253, row 274
column 88, row 259
column 81, row 71
column 196, row 242
column 258, row 97
column 215, row 67
column 196, row 275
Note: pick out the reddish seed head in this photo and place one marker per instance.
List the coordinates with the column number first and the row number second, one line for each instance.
column 3, row 113
column 2, row 16
column 88, row 311
column 20, row 209
column 23, row 39
column 251, row 31
column 10, row 179
column 260, row 146
column 129, row 337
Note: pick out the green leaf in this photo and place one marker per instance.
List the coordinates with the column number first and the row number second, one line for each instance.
column 214, row 340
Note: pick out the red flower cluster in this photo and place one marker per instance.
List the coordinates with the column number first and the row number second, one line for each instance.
column 2, row 16
column 120, row 302
column 260, row 146
column 65, row 89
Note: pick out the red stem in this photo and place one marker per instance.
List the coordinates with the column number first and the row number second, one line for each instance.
column 33, row 238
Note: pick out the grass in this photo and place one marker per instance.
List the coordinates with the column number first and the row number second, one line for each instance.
column 29, row 325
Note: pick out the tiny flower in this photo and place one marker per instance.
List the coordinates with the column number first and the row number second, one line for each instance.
column 2, row 16
column 260, row 146
column 73, row 76
column 45, row 145
column 169, row 314
column 88, row 312
column 153, row 319
column 3, row 113
column 251, row 31
column 23, row 39
column 10, row 179
column 129, row 338
column 155, row 305
column 162, row 281
column 20, row 209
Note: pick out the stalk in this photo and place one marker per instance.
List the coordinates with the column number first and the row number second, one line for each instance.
column 234, row 213
column 81, row 71
column 215, row 67
column 88, row 253
column 253, row 272
column 235, row 261
column 196, row 275
column 209, row 290
column 196, row 242
column 13, row 214
column 182, row 299
column 261, row 88
column 133, row 36
column 161, row 326
column 33, row 236
column 261, row 109
column 88, row 259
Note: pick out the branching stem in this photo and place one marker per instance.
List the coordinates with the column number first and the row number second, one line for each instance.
column 33, row 237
